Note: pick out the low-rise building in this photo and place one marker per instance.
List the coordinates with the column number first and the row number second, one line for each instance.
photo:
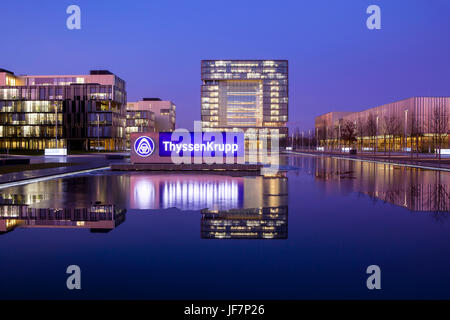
column 139, row 121
column 417, row 123
column 164, row 112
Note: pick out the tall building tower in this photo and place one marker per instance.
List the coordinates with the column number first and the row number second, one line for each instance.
column 245, row 94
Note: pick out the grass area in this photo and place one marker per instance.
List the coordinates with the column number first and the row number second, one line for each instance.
column 33, row 166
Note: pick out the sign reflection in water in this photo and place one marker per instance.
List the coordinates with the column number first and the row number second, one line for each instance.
column 186, row 192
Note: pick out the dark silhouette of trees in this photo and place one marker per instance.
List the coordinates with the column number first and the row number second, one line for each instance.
column 371, row 130
column 415, row 133
column 348, row 132
column 361, row 131
column 392, row 128
column 439, row 126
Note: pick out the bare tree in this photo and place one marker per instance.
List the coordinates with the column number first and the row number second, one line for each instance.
column 371, row 129
column 336, row 137
column 322, row 134
column 360, row 131
column 416, row 133
column 392, row 128
column 439, row 124
column 348, row 132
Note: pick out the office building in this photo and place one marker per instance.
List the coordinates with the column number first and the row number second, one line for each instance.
column 245, row 94
column 78, row 112
column 139, row 120
column 164, row 112
column 417, row 123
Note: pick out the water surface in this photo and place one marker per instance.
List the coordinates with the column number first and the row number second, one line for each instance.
column 307, row 234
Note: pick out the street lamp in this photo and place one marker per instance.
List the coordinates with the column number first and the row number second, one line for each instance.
column 98, row 132
column 317, row 138
column 56, row 124
column 302, row 140
column 339, row 143
column 309, row 142
column 406, row 126
column 376, row 137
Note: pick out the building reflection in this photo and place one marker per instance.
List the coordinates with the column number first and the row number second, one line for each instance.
column 257, row 203
column 253, row 223
column 140, row 191
column 413, row 188
column 263, row 215
column 200, row 191
column 97, row 218
column 28, row 199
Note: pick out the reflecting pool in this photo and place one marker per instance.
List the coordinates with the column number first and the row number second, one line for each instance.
column 307, row 232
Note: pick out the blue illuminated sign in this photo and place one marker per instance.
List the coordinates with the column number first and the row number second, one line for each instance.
column 201, row 144
column 144, row 146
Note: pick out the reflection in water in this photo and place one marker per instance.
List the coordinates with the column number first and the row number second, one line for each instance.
column 255, row 223
column 412, row 188
column 197, row 191
column 97, row 218
column 28, row 199
column 156, row 191
column 256, row 202
column 187, row 192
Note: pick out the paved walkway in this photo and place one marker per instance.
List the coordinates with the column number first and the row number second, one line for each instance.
column 83, row 162
column 425, row 161
column 97, row 161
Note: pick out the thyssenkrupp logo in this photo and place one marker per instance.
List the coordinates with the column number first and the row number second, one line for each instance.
column 144, row 146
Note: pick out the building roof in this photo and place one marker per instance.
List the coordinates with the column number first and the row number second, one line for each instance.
column 96, row 72
column 7, row 71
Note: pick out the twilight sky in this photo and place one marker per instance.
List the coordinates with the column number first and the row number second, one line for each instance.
column 335, row 62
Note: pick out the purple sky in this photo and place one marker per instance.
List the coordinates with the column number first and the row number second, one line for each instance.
column 335, row 62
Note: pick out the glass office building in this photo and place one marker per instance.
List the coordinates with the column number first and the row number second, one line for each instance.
column 150, row 115
column 80, row 112
column 164, row 112
column 139, row 120
column 245, row 94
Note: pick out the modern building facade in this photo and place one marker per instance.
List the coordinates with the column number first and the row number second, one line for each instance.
column 78, row 112
column 417, row 123
column 139, row 120
column 245, row 94
column 164, row 112
column 150, row 115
